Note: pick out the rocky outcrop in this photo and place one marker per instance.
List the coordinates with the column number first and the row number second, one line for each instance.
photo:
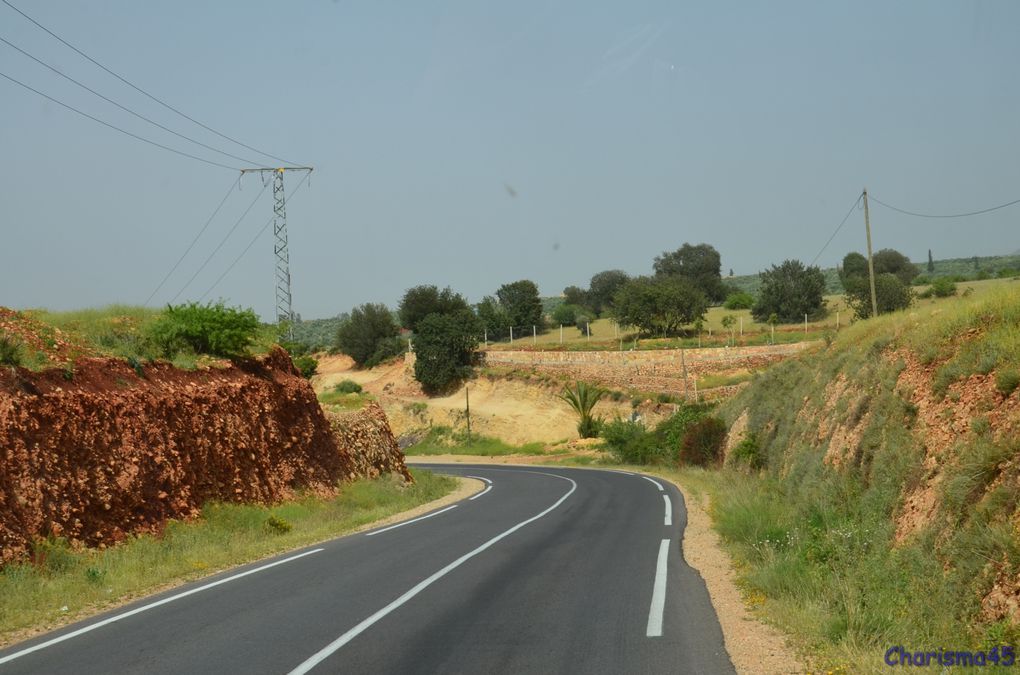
column 105, row 450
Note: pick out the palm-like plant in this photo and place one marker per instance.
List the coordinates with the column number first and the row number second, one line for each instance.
column 582, row 398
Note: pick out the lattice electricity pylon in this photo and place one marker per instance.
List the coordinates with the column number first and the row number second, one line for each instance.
column 284, row 308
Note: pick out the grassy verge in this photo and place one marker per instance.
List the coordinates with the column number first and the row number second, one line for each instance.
column 444, row 441
column 62, row 583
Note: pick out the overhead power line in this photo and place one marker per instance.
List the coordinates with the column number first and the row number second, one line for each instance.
column 116, row 128
column 838, row 228
column 251, row 243
column 220, row 245
column 124, row 108
column 944, row 215
column 140, row 90
column 190, row 246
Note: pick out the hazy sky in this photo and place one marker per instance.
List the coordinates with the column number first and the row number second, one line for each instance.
column 621, row 129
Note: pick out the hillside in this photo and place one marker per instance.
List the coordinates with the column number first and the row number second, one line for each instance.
column 886, row 509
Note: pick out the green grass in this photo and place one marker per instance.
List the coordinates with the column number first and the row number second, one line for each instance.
column 33, row 595
column 342, row 401
column 444, row 441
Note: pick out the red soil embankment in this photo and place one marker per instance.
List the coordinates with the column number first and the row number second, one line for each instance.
column 101, row 452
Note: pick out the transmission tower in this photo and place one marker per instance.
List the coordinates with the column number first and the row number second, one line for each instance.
column 284, row 310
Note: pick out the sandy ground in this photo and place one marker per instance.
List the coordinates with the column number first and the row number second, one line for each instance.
column 513, row 411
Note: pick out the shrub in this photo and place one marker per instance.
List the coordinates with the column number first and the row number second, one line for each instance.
column 943, row 288
column 385, row 350
column 277, row 525
column 583, row 323
column 306, row 365
column 749, row 452
column 213, row 329
column 739, row 300
column 631, row 443
column 703, row 443
column 10, row 351
column 671, row 431
column 1006, row 381
column 347, row 387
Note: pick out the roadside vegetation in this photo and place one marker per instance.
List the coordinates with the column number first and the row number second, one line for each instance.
column 825, row 548
column 189, row 335
column 442, row 440
column 61, row 583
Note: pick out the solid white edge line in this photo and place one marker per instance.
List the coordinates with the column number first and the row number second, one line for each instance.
column 653, row 482
column 480, row 478
column 408, row 522
column 332, row 647
column 151, row 605
column 658, row 593
column 669, row 511
column 471, row 499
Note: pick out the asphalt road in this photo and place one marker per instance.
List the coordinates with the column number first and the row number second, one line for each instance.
column 549, row 570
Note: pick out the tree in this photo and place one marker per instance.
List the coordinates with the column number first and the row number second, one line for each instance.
column 369, row 332
column 582, row 398
column 893, row 274
column 931, row 263
column 891, row 261
column 565, row 314
column 854, row 265
column 420, row 301
column 790, row 291
column 728, row 322
column 573, row 295
column 700, row 264
column 602, row 287
column 890, row 292
column 521, row 302
column 444, row 347
column 659, row 304
column 493, row 317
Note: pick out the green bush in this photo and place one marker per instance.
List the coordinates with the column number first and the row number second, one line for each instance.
column 703, row 443
column 213, row 329
column 306, row 365
column 347, row 387
column 386, row 349
column 631, row 443
column 943, row 288
column 10, row 351
column 1006, row 381
column 739, row 300
column 671, row 431
column 277, row 525
column 750, row 452
column 583, row 323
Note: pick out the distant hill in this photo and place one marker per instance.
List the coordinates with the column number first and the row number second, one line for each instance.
column 969, row 268
column 317, row 334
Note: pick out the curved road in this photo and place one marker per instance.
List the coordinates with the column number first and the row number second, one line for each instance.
column 548, row 570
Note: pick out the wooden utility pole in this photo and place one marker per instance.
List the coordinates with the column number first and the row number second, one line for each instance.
column 871, row 262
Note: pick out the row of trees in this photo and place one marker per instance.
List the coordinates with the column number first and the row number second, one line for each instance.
column 684, row 283
column 446, row 328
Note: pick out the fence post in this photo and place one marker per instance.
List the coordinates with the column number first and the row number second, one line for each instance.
column 534, row 335
column 511, row 334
